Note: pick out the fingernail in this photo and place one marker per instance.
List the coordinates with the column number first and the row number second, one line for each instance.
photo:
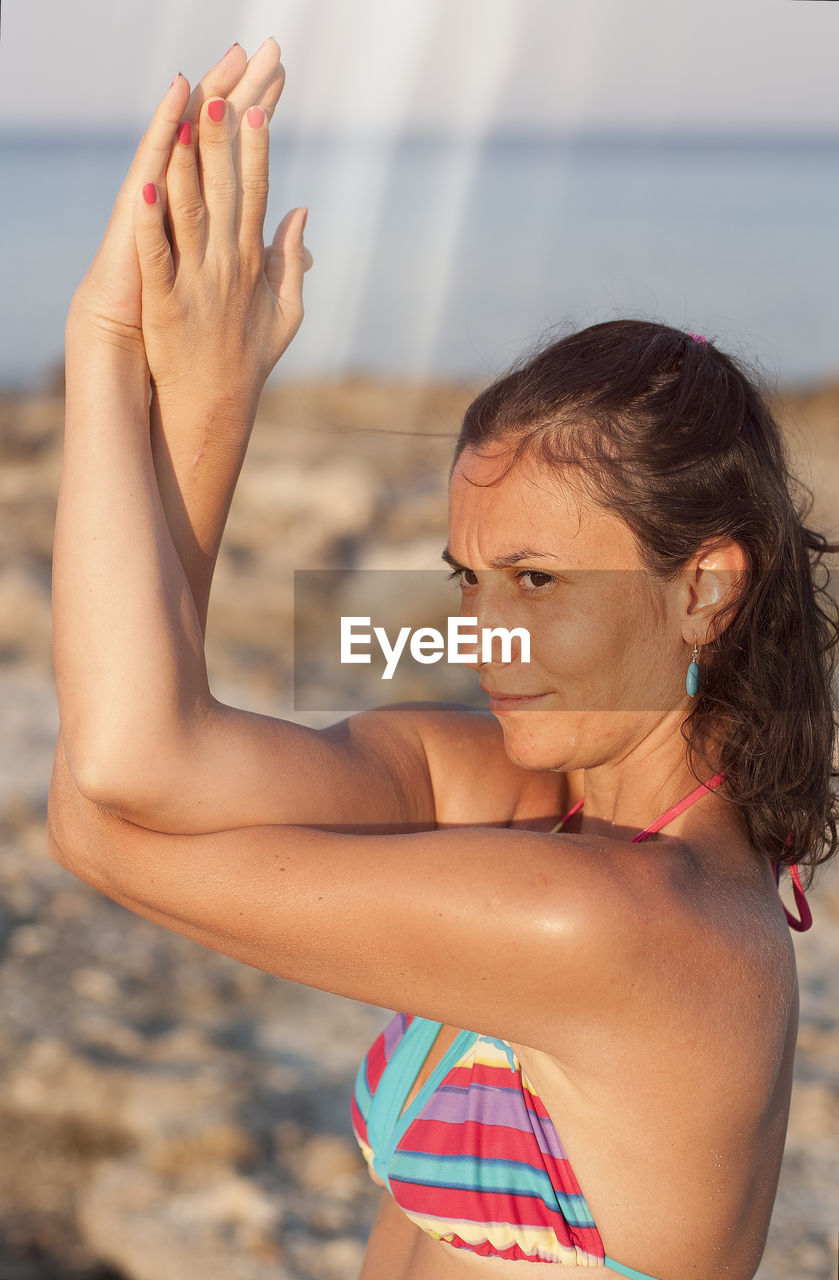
column 235, row 45
column 150, row 193
column 255, row 116
column 305, row 219
column 185, row 132
column 215, row 110
column 177, row 77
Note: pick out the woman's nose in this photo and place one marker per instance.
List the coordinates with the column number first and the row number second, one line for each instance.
column 498, row 637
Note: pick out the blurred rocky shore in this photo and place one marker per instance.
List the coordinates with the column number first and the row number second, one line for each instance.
column 166, row 1114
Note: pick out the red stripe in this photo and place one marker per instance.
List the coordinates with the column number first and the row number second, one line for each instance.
column 537, row 1105
column 479, row 1073
column 375, row 1063
column 473, row 1138
column 358, row 1122
column 450, row 1204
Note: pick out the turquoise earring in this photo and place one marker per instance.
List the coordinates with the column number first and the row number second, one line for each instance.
column 692, row 679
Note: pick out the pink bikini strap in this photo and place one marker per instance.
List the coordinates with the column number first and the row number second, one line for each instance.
column 805, row 915
column 570, row 813
column 800, row 924
column 665, row 817
column 678, row 808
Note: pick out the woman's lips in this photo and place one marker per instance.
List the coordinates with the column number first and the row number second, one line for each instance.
column 502, row 703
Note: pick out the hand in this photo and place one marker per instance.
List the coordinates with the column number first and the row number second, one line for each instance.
column 218, row 309
column 109, row 295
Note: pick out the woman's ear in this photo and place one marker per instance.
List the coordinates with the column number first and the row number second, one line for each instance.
column 712, row 581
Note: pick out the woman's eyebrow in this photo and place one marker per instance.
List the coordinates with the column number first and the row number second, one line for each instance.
column 446, row 555
column 504, row 562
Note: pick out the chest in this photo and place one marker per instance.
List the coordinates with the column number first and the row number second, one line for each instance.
column 449, row 1122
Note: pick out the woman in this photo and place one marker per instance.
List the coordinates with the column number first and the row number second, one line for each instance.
column 625, row 498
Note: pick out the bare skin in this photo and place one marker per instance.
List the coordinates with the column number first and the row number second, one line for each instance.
column 653, row 998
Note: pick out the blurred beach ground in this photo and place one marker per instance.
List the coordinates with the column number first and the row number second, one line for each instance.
column 166, row 1113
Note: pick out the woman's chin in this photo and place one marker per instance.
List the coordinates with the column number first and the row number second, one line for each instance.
column 536, row 740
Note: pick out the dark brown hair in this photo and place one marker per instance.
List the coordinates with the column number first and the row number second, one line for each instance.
column 671, row 436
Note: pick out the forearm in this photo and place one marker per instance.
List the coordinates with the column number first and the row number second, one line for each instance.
column 128, row 648
column 198, row 449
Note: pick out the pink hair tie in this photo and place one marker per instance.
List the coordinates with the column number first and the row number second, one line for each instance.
column 697, row 337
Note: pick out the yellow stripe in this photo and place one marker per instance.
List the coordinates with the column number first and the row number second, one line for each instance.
column 540, row 1242
column 489, row 1055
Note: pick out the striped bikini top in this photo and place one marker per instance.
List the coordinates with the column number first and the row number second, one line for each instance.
column 474, row 1159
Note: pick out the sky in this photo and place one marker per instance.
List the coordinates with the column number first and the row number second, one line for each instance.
column 444, row 66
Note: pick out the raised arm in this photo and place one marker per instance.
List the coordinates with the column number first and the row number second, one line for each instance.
column 118, row 586
column 142, row 733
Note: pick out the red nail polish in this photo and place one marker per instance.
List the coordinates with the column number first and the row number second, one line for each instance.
column 177, row 77
column 185, row 132
column 215, row 110
column 150, row 193
column 255, row 116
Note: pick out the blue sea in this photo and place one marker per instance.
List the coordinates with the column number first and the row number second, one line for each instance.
column 447, row 257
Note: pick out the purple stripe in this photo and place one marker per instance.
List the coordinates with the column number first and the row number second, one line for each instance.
column 485, row 1104
column 546, row 1136
column 393, row 1033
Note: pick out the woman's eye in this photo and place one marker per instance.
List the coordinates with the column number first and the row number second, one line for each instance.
column 536, row 579
column 463, row 577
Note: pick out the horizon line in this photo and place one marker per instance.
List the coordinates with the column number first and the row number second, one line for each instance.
column 603, row 135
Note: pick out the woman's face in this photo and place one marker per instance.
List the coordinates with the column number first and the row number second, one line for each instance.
column 607, row 655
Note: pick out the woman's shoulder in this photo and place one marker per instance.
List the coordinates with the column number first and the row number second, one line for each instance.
column 724, row 961
column 698, row 930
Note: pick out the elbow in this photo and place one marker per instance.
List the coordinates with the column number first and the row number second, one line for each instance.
column 110, row 789
column 148, row 778
column 68, row 834
column 83, row 837
column 123, row 780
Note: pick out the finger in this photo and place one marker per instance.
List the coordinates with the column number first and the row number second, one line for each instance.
column 284, row 266
column 254, row 179
column 308, row 260
column 217, row 171
column 270, row 95
column 157, row 270
column 263, row 70
column 151, row 156
column 185, row 202
column 267, row 101
column 217, row 82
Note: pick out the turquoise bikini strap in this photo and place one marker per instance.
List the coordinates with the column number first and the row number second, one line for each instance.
column 626, row 1271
